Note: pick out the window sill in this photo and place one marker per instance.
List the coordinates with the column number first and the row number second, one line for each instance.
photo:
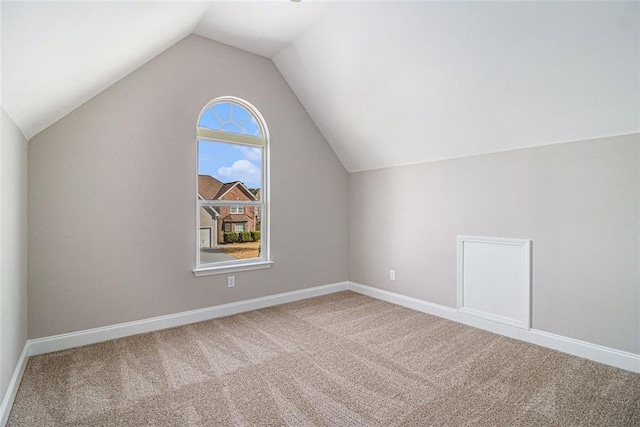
column 209, row 271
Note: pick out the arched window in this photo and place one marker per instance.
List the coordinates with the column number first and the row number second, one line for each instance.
column 232, row 188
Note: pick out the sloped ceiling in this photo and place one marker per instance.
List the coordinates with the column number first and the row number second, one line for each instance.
column 388, row 83
column 57, row 55
column 391, row 84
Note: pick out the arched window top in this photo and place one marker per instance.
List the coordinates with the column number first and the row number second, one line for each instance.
column 232, row 119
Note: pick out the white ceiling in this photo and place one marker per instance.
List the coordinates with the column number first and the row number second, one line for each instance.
column 387, row 83
column 391, row 84
column 260, row 27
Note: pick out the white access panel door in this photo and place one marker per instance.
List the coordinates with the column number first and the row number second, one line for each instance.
column 494, row 279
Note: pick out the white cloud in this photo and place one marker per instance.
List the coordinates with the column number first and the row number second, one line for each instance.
column 251, row 153
column 241, row 170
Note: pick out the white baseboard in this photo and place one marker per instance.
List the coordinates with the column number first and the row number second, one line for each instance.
column 106, row 333
column 10, row 395
column 608, row 356
column 405, row 301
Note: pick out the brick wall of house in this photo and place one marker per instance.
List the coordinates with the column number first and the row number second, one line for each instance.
column 236, row 194
column 248, row 211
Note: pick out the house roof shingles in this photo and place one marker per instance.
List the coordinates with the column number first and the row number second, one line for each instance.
column 236, row 218
column 209, row 187
column 226, row 187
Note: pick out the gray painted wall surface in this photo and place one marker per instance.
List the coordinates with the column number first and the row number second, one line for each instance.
column 112, row 195
column 578, row 203
column 13, row 252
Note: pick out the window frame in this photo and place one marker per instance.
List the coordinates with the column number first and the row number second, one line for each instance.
column 205, row 134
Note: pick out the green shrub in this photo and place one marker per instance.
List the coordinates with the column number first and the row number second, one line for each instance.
column 244, row 236
column 255, row 235
column 230, row 237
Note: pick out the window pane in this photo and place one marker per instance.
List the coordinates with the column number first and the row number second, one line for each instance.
column 227, row 236
column 251, row 128
column 210, row 120
column 229, row 171
column 223, row 110
column 240, row 114
column 231, row 127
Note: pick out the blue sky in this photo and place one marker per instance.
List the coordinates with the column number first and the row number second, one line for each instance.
column 230, row 162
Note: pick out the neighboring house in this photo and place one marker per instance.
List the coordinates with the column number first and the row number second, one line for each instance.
column 214, row 221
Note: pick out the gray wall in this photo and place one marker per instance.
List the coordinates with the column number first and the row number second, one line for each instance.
column 578, row 203
column 112, row 213
column 13, row 251
column 112, row 195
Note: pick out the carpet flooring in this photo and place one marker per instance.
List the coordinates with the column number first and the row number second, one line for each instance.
column 339, row 360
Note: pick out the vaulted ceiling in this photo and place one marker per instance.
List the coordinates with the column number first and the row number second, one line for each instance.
column 387, row 83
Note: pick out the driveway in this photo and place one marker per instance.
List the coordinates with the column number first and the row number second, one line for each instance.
column 208, row 255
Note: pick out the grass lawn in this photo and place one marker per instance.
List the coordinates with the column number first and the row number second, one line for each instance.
column 243, row 250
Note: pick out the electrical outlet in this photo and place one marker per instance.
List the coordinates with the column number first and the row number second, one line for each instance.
column 231, row 281
column 392, row 275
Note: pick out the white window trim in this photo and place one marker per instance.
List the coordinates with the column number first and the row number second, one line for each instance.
column 265, row 260
column 247, row 266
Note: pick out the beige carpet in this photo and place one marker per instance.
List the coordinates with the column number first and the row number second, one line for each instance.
column 338, row 360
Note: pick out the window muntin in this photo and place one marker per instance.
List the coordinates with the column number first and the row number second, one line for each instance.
column 232, row 167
